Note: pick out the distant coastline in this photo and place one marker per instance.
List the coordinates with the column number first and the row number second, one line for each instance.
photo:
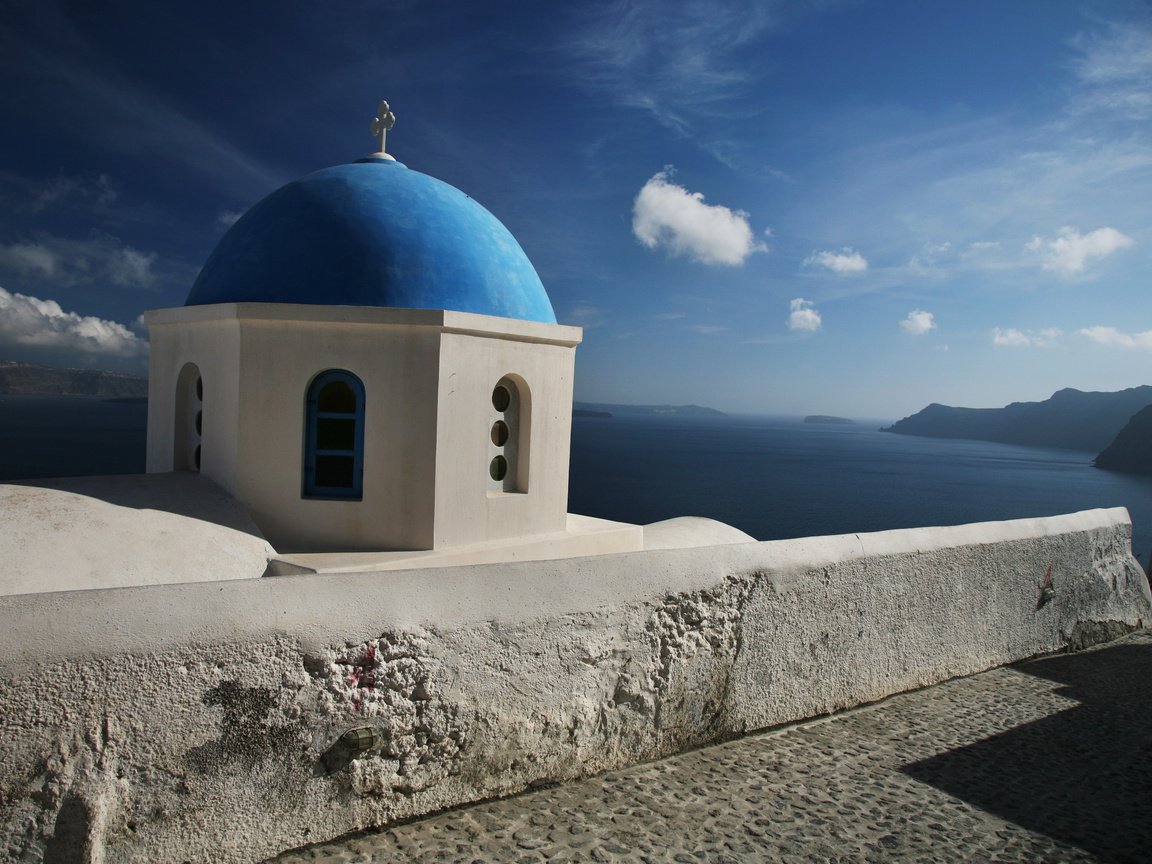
column 1069, row 419
column 28, row 379
column 1116, row 425
column 829, row 419
column 606, row 409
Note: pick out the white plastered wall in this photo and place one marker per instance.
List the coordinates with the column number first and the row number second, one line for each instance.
column 203, row 714
column 257, row 361
column 470, row 508
column 213, row 345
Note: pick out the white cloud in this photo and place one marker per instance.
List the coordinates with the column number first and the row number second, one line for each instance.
column 929, row 257
column 128, row 266
column 1011, row 337
column 804, row 317
column 227, row 218
column 918, row 322
column 29, row 259
column 32, row 322
column 665, row 214
column 586, row 315
column 1115, row 69
column 673, row 61
column 72, row 262
column 97, row 192
column 846, row 260
column 1069, row 250
column 707, row 329
column 1112, row 336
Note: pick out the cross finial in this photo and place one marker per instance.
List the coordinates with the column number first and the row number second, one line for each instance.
column 382, row 122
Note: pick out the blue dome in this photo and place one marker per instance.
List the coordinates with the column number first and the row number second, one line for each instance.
column 373, row 233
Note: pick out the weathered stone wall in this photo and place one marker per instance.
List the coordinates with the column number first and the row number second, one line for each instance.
column 213, row 721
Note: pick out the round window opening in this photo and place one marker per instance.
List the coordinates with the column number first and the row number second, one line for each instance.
column 498, row 468
column 199, row 422
column 499, row 433
column 501, row 398
column 200, row 389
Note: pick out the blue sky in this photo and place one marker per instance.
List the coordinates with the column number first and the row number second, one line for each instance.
column 851, row 208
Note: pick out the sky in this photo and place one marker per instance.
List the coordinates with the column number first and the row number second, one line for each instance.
column 850, row 207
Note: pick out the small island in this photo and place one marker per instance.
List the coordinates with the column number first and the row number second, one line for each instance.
column 829, row 419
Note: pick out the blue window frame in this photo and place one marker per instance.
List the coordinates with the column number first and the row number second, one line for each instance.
column 334, row 437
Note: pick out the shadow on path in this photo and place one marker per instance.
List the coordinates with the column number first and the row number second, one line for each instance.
column 1082, row 776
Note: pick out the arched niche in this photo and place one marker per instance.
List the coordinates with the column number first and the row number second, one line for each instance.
column 189, row 422
column 510, row 434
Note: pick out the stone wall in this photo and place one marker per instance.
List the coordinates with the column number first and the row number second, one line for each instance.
column 227, row 721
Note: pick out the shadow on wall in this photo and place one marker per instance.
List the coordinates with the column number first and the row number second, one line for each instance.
column 1080, row 776
column 69, row 843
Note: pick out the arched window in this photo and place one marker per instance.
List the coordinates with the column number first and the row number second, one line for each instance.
column 334, row 436
column 189, row 419
column 509, row 433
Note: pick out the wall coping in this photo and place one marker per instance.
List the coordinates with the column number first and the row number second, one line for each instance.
column 46, row 628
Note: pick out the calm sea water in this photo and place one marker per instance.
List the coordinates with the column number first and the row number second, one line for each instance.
column 771, row 477
column 777, row 478
column 68, row 436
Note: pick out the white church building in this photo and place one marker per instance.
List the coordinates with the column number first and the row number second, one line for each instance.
column 366, row 375
column 369, row 362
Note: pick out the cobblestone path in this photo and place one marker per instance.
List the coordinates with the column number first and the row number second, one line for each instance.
column 1046, row 761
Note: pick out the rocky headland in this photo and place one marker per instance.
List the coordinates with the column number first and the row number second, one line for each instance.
column 1070, row 419
column 1131, row 450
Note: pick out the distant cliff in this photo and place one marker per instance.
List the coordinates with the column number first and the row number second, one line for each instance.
column 25, row 379
column 1131, row 450
column 604, row 408
column 1070, row 419
column 829, row 419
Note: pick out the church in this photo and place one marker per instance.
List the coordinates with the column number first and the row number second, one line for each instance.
column 368, row 362
column 366, row 375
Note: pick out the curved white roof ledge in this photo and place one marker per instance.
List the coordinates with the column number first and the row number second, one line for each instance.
column 81, row 533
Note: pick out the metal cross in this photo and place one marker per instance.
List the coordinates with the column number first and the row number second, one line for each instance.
column 382, row 122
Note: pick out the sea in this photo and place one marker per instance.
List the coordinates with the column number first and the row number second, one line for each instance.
column 779, row 477
column 772, row 477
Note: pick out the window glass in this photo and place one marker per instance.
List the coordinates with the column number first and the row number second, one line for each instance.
column 501, row 398
column 336, row 397
column 499, row 433
column 335, row 471
column 334, row 436
column 498, row 468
